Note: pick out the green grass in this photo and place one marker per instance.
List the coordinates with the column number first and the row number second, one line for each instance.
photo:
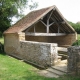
column 13, row 69
column 2, row 40
column 78, row 36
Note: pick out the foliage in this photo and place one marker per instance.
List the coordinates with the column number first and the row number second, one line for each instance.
column 0, row 34
column 2, row 40
column 77, row 43
column 10, row 8
column 76, row 26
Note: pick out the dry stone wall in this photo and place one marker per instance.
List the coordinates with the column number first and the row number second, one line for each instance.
column 38, row 53
column 74, row 60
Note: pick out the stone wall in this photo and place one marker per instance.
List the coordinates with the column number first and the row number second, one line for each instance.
column 64, row 41
column 21, row 36
column 41, row 54
column 11, row 43
column 74, row 60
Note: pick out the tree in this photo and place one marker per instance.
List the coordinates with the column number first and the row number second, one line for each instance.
column 11, row 8
column 76, row 26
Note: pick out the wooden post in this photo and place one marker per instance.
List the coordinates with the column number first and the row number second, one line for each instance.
column 34, row 29
column 58, row 29
column 47, row 26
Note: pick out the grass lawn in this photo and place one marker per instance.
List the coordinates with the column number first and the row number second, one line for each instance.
column 13, row 69
column 2, row 40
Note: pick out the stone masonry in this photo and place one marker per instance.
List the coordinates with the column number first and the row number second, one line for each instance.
column 74, row 60
column 42, row 54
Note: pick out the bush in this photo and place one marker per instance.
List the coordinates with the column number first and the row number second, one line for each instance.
column 77, row 43
column 1, row 47
column 0, row 34
column 76, row 26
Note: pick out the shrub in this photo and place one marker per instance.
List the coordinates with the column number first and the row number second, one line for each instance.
column 76, row 26
column 77, row 43
column 0, row 34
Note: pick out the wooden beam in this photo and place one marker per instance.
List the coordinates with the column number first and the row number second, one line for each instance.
column 30, row 26
column 43, row 23
column 34, row 29
column 54, row 9
column 50, row 15
column 51, row 24
column 47, row 26
column 58, row 29
column 45, row 34
column 56, row 24
column 55, row 21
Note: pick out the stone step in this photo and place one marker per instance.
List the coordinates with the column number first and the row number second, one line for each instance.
column 59, row 57
column 64, row 56
column 47, row 73
column 55, row 71
column 61, row 63
column 60, row 68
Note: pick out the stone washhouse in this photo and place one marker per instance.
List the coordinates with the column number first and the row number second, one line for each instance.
column 38, row 37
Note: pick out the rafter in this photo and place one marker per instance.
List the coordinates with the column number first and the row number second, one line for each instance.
column 56, row 23
column 50, row 15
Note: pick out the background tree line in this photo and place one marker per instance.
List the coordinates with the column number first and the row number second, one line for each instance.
column 76, row 26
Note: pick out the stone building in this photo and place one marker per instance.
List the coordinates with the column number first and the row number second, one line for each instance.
column 36, row 37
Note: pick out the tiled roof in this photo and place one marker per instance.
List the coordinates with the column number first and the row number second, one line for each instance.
column 34, row 16
column 28, row 20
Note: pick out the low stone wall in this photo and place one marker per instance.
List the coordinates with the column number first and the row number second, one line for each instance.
column 42, row 54
column 74, row 60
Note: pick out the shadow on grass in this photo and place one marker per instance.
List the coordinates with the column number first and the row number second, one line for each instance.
column 47, row 78
column 69, row 77
column 38, row 78
column 2, row 53
column 2, row 49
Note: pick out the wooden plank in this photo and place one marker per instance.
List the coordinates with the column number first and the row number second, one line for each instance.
column 45, row 34
column 62, row 49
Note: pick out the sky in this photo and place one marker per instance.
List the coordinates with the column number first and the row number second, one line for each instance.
column 70, row 9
